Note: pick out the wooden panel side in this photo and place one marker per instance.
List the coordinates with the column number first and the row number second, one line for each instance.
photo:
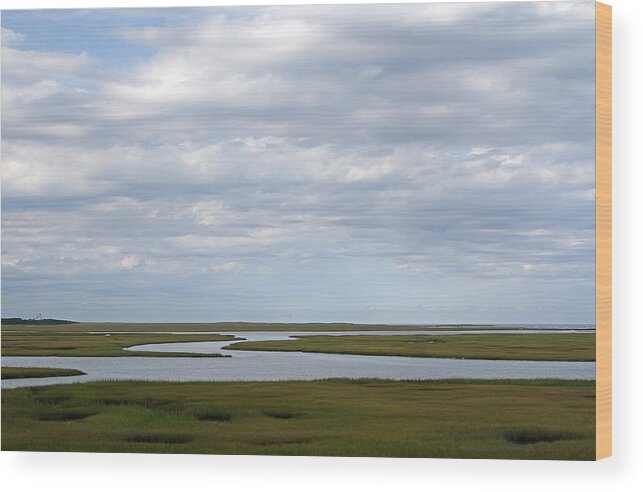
column 603, row 230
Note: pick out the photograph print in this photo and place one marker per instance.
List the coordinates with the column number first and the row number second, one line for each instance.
column 328, row 230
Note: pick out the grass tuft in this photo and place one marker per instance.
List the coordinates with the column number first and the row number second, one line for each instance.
column 51, row 399
column 113, row 401
column 159, row 438
column 213, row 415
column 63, row 415
column 280, row 414
column 532, row 436
column 275, row 441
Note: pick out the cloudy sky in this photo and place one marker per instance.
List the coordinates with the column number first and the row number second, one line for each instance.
column 376, row 163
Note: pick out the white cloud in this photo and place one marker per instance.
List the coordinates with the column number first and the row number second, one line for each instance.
column 130, row 261
column 11, row 38
column 209, row 212
column 226, row 266
column 25, row 65
column 33, row 92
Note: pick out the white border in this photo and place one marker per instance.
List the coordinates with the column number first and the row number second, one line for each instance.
column 44, row 4
column 65, row 472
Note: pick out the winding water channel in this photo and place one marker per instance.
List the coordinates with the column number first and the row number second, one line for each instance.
column 271, row 366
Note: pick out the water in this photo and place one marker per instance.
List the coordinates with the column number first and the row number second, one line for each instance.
column 271, row 366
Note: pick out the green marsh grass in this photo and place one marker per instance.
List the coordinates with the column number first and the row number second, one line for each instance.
column 75, row 344
column 541, row 419
column 541, row 346
column 37, row 372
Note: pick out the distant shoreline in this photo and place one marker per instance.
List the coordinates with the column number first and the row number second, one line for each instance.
column 223, row 326
column 36, row 322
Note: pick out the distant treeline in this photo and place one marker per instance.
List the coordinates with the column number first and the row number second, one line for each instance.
column 20, row 321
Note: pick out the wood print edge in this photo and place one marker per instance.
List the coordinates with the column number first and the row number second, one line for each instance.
column 603, row 230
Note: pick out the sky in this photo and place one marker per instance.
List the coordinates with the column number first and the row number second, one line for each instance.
column 421, row 163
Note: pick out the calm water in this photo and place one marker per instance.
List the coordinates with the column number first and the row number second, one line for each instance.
column 270, row 366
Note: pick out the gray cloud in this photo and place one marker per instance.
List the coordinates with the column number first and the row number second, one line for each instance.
column 416, row 163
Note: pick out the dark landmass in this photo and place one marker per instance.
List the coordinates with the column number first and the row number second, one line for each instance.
column 48, row 321
column 38, row 372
